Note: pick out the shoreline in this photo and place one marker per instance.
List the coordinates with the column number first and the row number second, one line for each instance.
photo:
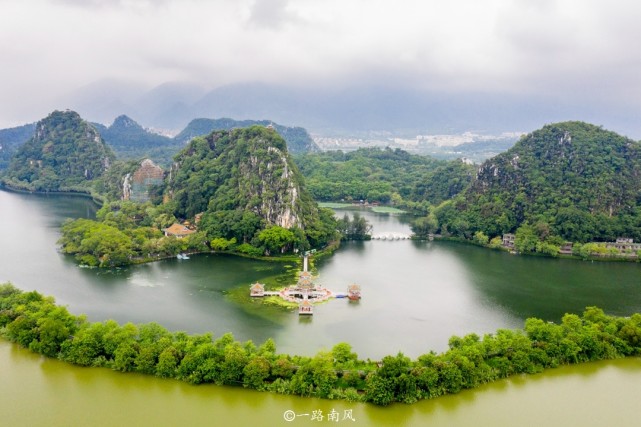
column 96, row 198
column 339, row 374
column 605, row 258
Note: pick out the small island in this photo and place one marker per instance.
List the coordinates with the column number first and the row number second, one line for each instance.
column 305, row 293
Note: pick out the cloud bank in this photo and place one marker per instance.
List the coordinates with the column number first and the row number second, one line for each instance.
column 572, row 49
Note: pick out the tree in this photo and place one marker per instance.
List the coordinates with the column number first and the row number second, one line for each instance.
column 276, row 238
column 525, row 239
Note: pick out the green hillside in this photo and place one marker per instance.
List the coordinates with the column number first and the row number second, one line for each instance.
column 245, row 181
column 383, row 175
column 573, row 180
column 65, row 153
column 131, row 141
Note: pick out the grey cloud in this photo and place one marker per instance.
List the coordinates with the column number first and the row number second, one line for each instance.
column 110, row 3
column 270, row 13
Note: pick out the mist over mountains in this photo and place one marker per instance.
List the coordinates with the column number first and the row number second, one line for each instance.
column 354, row 110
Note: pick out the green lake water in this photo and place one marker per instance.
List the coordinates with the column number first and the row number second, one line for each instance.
column 43, row 392
column 415, row 296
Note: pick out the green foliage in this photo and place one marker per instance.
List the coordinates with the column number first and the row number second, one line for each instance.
column 66, row 153
column 125, row 232
column 11, row 139
column 276, row 239
column 356, row 228
column 131, row 141
column 424, row 226
column 244, row 182
column 35, row 322
column 481, row 238
column 96, row 244
column 577, row 179
column 383, row 175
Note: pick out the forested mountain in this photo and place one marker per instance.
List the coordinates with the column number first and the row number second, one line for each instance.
column 65, row 153
column 297, row 138
column 383, row 175
column 131, row 141
column 245, row 181
column 573, row 180
column 11, row 139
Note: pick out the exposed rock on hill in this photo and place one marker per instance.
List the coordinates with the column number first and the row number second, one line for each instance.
column 65, row 153
column 577, row 178
column 247, row 169
column 136, row 187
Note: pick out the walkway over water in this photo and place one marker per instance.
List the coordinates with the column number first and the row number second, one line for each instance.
column 391, row 236
column 305, row 292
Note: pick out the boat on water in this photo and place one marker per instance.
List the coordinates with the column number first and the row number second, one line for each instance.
column 182, row 256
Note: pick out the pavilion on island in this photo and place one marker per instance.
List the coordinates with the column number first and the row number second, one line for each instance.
column 305, row 292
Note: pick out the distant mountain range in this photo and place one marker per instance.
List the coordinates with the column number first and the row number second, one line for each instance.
column 348, row 111
column 131, row 141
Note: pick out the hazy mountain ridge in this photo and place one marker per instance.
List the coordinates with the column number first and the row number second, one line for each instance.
column 297, row 138
column 11, row 139
column 345, row 111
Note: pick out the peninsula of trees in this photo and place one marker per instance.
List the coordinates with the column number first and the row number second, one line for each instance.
column 36, row 322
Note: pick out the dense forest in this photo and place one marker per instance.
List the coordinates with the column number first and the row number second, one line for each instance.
column 246, row 179
column 568, row 181
column 37, row 323
column 65, row 154
column 239, row 187
column 383, row 175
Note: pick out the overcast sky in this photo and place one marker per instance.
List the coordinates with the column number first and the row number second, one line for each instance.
column 573, row 48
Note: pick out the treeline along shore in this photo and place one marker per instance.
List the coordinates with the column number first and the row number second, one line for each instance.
column 37, row 323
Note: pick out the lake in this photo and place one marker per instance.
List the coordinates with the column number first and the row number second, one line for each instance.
column 415, row 296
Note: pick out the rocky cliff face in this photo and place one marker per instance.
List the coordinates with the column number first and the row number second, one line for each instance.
column 136, row 186
column 576, row 180
column 65, row 151
column 243, row 169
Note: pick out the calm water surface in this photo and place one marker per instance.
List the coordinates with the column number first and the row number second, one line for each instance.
column 415, row 296
column 43, row 392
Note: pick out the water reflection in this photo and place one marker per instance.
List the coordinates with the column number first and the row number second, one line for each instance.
column 415, row 294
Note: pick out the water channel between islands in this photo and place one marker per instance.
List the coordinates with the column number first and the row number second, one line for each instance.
column 415, row 295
